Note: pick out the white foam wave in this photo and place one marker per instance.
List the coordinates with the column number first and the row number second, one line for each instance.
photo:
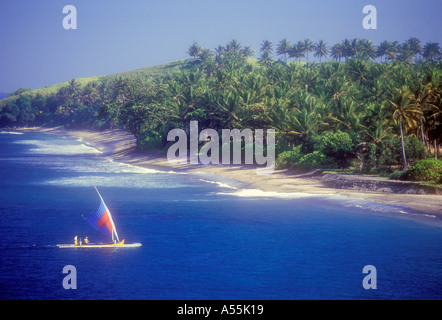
column 10, row 132
column 119, row 167
column 220, row 184
column 50, row 147
column 257, row 193
column 121, row 181
column 342, row 200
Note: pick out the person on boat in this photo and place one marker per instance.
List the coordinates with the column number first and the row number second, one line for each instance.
column 76, row 241
column 86, row 240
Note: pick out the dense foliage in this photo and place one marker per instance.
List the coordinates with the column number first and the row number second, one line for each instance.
column 359, row 113
column 429, row 170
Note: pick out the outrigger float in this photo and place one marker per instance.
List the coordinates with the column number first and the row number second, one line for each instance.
column 102, row 222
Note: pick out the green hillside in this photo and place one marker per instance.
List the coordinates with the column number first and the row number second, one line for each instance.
column 142, row 73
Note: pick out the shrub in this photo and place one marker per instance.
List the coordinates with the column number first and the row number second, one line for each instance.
column 152, row 142
column 337, row 146
column 392, row 150
column 316, row 159
column 429, row 170
column 399, row 175
column 288, row 159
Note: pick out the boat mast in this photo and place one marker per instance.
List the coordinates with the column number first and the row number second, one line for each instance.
column 110, row 216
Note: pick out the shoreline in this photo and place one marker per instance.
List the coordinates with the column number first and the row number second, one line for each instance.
column 120, row 146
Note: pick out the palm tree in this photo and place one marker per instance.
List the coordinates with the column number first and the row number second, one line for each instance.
column 283, row 48
column 247, row 52
column 406, row 55
column 297, row 51
column 405, row 113
column 435, row 123
column 346, row 114
column 372, row 136
column 430, row 95
column 265, row 58
column 367, row 50
column 321, row 49
column 205, row 55
column 337, row 51
column 382, row 49
column 220, row 50
column 413, row 45
column 348, row 50
column 358, row 70
column 194, row 50
column 233, row 46
column 296, row 120
column 432, row 51
column 90, row 95
column 355, row 47
column 266, row 46
column 393, row 48
column 308, row 46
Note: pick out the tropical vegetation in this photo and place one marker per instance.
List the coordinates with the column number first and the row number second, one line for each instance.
column 351, row 105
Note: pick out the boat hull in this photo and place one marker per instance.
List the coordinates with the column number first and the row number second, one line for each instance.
column 92, row 246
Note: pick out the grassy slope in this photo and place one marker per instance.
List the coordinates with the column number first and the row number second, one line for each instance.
column 144, row 72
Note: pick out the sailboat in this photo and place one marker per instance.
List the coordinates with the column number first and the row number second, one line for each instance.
column 101, row 221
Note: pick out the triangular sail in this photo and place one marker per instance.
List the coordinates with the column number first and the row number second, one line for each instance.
column 102, row 220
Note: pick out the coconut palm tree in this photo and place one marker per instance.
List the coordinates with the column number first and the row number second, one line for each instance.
column 382, row 50
column 358, row 70
column 373, row 135
column 90, row 95
column 233, row 46
column 393, row 49
column 405, row 114
column 308, row 47
column 220, row 50
column 431, row 51
column 205, row 55
column 337, row 51
column 265, row 58
column 194, row 50
column 348, row 49
column 247, row 52
column 321, row 49
column 266, row 46
column 413, row 45
column 283, row 48
column 367, row 49
column 297, row 51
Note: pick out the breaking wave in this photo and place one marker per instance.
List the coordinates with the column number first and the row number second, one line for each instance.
column 54, row 148
column 10, row 132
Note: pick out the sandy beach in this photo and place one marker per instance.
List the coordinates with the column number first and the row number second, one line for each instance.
column 120, row 145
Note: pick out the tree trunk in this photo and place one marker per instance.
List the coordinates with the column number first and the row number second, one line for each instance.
column 422, row 131
column 403, row 146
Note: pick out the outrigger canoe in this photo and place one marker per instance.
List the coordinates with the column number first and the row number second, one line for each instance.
column 102, row 222
column 120, row 244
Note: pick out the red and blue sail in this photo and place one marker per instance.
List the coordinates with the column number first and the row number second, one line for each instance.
column 102, row 221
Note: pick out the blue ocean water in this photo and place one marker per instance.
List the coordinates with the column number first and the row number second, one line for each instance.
column 203, row 237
